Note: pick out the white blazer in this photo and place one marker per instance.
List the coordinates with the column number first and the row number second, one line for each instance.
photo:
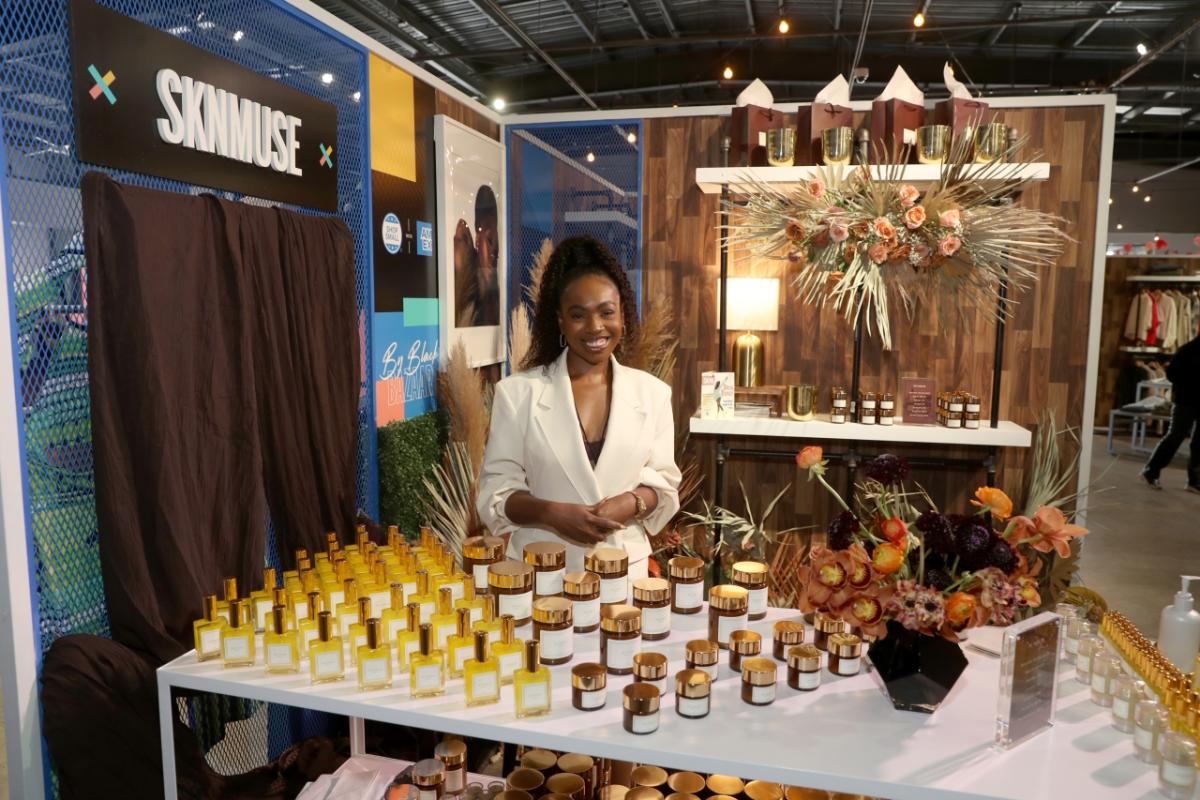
column 536, row 445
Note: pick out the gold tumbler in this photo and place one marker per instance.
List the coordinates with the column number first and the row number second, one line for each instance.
column 991, row 141
column 781, row 147
column 933, row 144
column 837, row 146
column 801, row 401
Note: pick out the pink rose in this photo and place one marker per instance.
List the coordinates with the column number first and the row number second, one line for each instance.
column 816, row 188
column 884, row 229
column 950, row 218
column 908, row 195
column 878, row 253
column 914, row 217
column 949, row 245
column 921, row 252
column 838, row 231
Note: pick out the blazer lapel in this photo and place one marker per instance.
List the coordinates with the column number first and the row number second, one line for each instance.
column 559, row 422
column 626, row 418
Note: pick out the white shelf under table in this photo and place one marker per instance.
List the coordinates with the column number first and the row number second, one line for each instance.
column 1008, row 434
column 844, row 736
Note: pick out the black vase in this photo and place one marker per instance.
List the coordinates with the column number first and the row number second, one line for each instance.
column 918, row 671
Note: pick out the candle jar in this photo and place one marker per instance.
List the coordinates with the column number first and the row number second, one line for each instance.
column 512, row 583
column 868, row 408
column 648, row 776
column 641, row 702
column 1149, row 721
column 1105, row 667
column 887, row 409
column 764, row 790
column 726, row 612
column 651, row 668
column 582, row 765
column 653, row 597
column 703, row 655
column 1125, row 695
column 552, row 627
column 839, row 403
column 549, row 562
column 825, row 626
column 972, row 405
column 620, row 637
column 429, row 776
column 693, row 694
column 743, row 644
column 479, row 553
column 687, row 584
column 845, row 654
column 971, row 420
column 1177, row 767
column 727, row 785
column 540, row 759
column 752, row 576
column 564, row 786
column 453, row 755
column 787, row 634
column 1085, row 650
column 611, row 564
column 583, row 590
column 525, row 779
column 589, row 683
column 758, row 681
column 804, row 668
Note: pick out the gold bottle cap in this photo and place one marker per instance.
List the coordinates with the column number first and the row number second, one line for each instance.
column 607, row 561
column 422, row 581
column 692, row 683
column 728, row 597
column 620, row 618
column 525, row 779
column 325, row 626
column 301, row 555
column 565, row 783
column 314, row 604
column 758, row 671
column 489, row 607
column 469, row 590
column 280, row 596
column 827, row 624
column 552, row 611
column 230, row 589
column 425, row 638
column 269, row 581
column 364, row 610
column 374, row 632
column 463, row 622
column 397, row 596
column 641, row 698
column 510, row 574
column 428, row 772
column 237, row 613
column 452, row 753
column 413, row 616
column 651, row 590
column 614, row 791
column 589, row 676
column 687, row 568
column 508, row 628
column 575, row 763
column 804, row 657
column 789, row 632
column 279, row 618
column 745, row 643
column 210, row 607
column 483, row 548
column 349, row 590
column 445, row 600
column 533, row 654
column 764, row 790
column 546, row 554
column 750, row 573
column 725, row 784
column 845, row 645
column 686, row 782
column 702, row 652
column 303, row 564
column 481, row 646
column 650, row 666
column 538, row 759
column 643, row 792
column 581, row 583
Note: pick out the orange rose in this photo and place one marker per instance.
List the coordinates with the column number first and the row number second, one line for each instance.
column 949, row 245
column 894, row 530
column 960, row 607
column 950, row 218
column 995, row 501
column 908, row 194
column 887, row 558
column 794, row 231
column 816, row 188
column 809, row 457
column 884, row 229
column 838, row 231
column 914, row 217
column 878, row 253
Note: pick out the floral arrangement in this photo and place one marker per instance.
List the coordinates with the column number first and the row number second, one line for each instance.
column 861, row 235
column 896, row 557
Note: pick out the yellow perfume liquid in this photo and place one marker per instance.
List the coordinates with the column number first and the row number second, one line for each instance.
column 408, row 641
column 280, row 598
column 461, row 646
column 531, row 683
column 264, row 599
column 307, row 627
column 347, row 610
column 237, row 640
column 374, row 659
column 509, row 650
column 449, row 580
column 231, row 593
column 356, row 636
column 423, row 596
column 379, row 590
column 281, row 646
column 395, row 619
column 471, row 602
column 481, row 674
column 490, row 621
column 325, row 660
column 207, row 631
column 444, row 622
column 408, row 574
column 427, row 668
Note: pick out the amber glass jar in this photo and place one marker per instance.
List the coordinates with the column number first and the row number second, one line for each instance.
column 552, row 627
column 641, row 702
column 644, row 793
column 726, row 612
column 512, row 583
column 648, row 776
column 687, row 584
column 752, row 576
column 764, row 790
column 613, row 791
column 845, row 654
column 620, row 637
column 758, row 681
column 566, row 785
column 583, row 590
column 787, row 634
column 611, row 564
column 868, row 410
column 479, row 553
column 823, row 627
column 887, row 409
column 703, row 655
column 725, row 784
column 693, row 699
column 653, row 597
column 582, row 765
column 525, row 779
column 839, row 404
column 429, row 776
column 549, row 562
column 453, row 755
column 589, row 685
column 651, row 668
column 743, row 644
column 804, row 668
column 540, row 759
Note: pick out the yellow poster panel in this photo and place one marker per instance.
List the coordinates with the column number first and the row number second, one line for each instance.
column 393, row 127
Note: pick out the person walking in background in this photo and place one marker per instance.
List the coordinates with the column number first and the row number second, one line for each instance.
column 1184, row 374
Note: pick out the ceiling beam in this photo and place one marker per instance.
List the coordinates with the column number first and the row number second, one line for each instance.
column 507, row 34
column 581, row 18
column 1078, row 36
column 1014, row 10
column 1142, row 108
column 750, row 26
column 1185, row 27
column 837, row 15
column 668, row 20
column 639, row 19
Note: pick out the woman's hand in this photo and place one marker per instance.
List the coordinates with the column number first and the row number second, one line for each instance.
column 620, row 508
column 581, row 524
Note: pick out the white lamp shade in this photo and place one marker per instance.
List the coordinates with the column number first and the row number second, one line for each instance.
column 753, row 304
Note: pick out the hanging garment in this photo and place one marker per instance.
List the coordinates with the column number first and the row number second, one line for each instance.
column 1166, row 322
column 1139, row 318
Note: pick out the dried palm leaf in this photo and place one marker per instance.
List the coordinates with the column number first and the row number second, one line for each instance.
column 464, row 396
column 653, row 346
column 533, row 290
column 520, row 336
column 450, row 507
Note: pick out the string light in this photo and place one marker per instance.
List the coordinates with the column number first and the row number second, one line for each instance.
column 919, row 20
column 499, row 104
column 631, row 137
column 784, row 26
column 1120, row 227
column 327, row 78
column 1135, row 189
column 591, row 157
column 237, row 35
column 1142, row 49
column 728, row 73
column 1146, row 199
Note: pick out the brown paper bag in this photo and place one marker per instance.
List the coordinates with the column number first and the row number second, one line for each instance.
column 960, row 112
column 889, row 120
column 811, row 120
column 748, row 132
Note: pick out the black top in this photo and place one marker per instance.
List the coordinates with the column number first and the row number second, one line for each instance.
column 1184, row 372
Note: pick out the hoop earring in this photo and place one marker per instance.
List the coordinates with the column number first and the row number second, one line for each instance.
column 562, row 340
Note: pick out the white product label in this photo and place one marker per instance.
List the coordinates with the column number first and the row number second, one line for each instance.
column 973, row 408
column 519, row 605
column 427, row 611
column 300, row 609
column 457, row 590
column 763, row 694
column 839, row 403
column 375, row 670
column 868, row 419
column 308, row 636
column 971, row 423
column 887, row 404
column 279, row 655
column 442, row 635
column 656, row 620
column 586, row 613
column 461, row 656
column 485, row 684
column 887, row 420
column 808, row 680
column 410, row 587
column 427, row 794
column 380, row 602
column 395, row 626
column 480, row 572
column 410, row 648
column 956, row 406
column 692, row 706
column 645, row 724
column 953, row 422
column 1083, row 663
column 836, row 417
column 1120, row 709
column 236, row 647
column 614, row 590
column 727, row 625
column 757, row 602
column 548, row 583
column 689, row 595
column 1072, row 646
column 510, row 663
column 1177, row 774
column 428, row 677
column 534, row 696
column 345, row 621
column 210, row 641
column 621, row 652
column 711, row 670
column 593, row 699
column 762, row 138
column 1143, row 738
column 868, row 405
column 336, row 598
column 849, row 666
column 329, row 664
column 262, row 610
column 1100, row 682
column 557, row 644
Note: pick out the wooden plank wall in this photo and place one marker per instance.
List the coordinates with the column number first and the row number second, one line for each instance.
column 1045, row 349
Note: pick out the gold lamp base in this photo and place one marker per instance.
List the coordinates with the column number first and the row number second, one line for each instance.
column 748, row 360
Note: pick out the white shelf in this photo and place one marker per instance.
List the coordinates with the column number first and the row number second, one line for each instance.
column 742, row 179
column 1163, row 279
column 844, row 737
column 1008, row 434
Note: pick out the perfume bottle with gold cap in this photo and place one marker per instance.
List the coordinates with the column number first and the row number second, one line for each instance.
column 450, row 578
column 408, row 640
column 374, row 659
column 472, row 602
column 427, row 668
column 461, row 646
column 379, row 590
column 279, row 596
column 237, row 640
column 509, row 650
column 207, row 630
column 230, row 586
column 281, row 644
column 490, row 621
column 347, row 610
column 263, row 599
column 444, row 622
column 356, row 637
column 298, row 595
column 307, row 627
column 531, row 683
column 481, row 674
column 325, row 660
column 395, row 618
column 423, row 596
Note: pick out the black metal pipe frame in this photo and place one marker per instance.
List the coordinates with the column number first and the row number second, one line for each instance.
column 998, row 361
column 854, row 455
column 722, row 359
column 856, row 369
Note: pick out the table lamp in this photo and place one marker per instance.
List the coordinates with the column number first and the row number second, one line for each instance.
column 753, row 306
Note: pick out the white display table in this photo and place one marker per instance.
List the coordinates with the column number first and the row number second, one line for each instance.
column 748, row 179
column 845, row 736
column 1007, row 434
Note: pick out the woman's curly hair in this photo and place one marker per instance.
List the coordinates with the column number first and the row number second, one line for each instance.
column 573, row 258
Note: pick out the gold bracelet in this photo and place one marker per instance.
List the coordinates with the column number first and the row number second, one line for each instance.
column 642, row 509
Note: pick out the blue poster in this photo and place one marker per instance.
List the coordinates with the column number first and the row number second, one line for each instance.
column 405, row 367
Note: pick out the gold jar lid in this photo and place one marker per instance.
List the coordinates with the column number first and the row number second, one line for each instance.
column 483, row 548
column 545, row 554
column 686, row 782
column 758, row 671
column 589, row 676
column 720, row 797
column 614, row 791
column 538, row 758
column 607, row 561
column 745, row 643
column 641, row 698
column 510, row 574
column 827, row 624
column 650, row 666
column 581, row 582
column 682, row 796
column 725, row 784
column 845, row 645
column 804, row 657
column 802, row 793
column 728, row 597
column 692, row 683
column 555, row 796
column 750, row 573
column 513, row 794
column 428, row 772
column 764, row 790
column 685, row 567
column 789, row 631
column 620, row 618
column 577, row 763
column 649, row 775
column 526, row 779
column 552, row 610
column 565, row 783
column 644, row 793
column 702, row 652
column 651, row 590
column 452, row 752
